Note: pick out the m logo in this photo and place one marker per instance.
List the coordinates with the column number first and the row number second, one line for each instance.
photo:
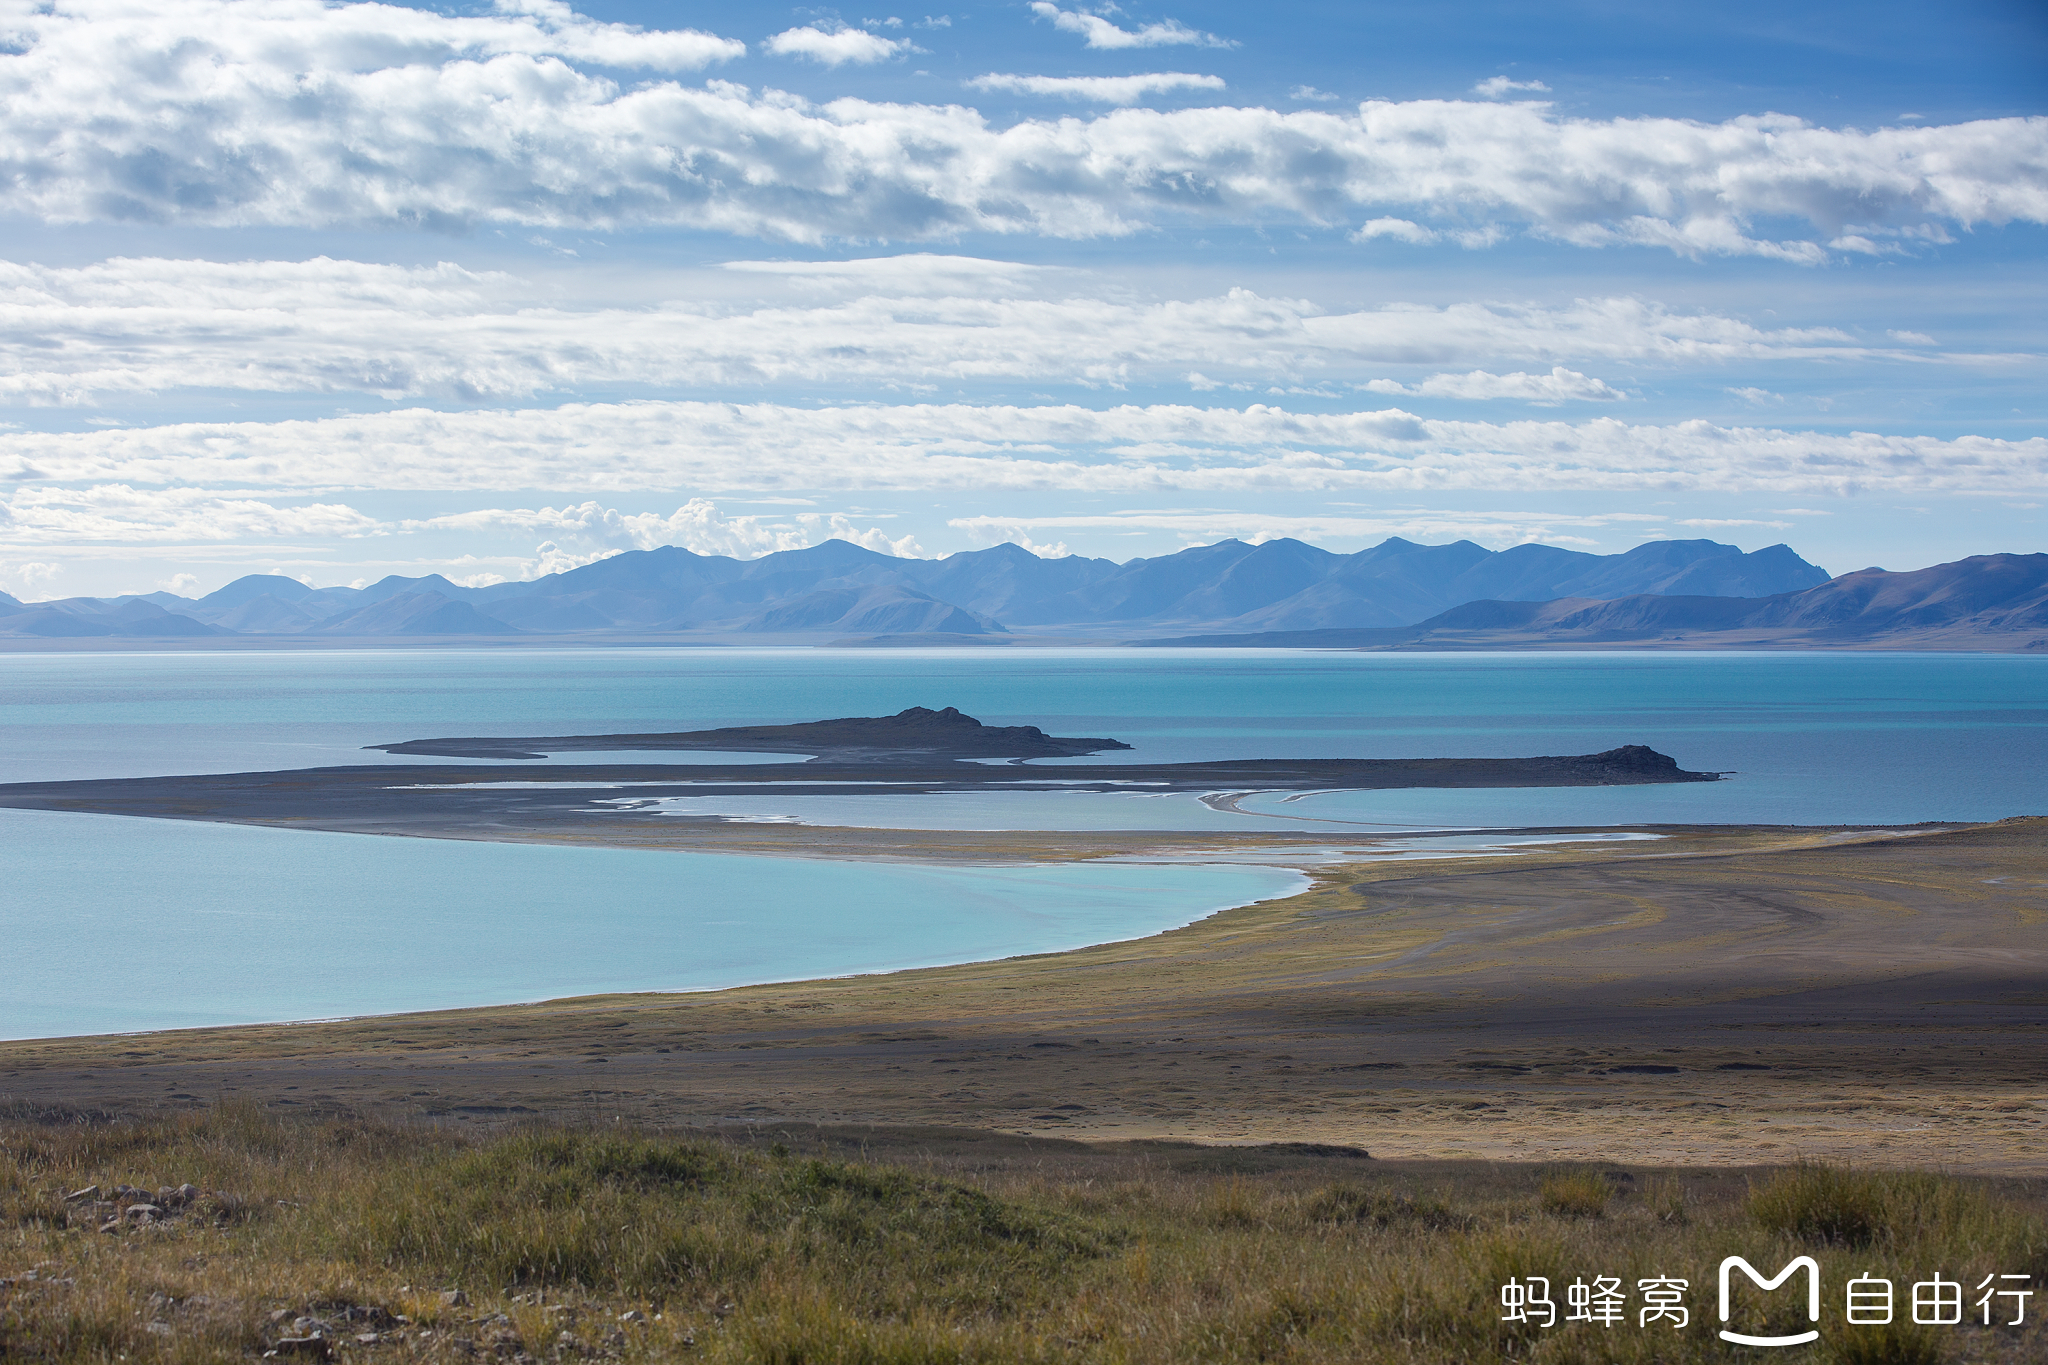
column 1806, row 1263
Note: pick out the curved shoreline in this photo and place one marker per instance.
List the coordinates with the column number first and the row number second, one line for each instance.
column 1857, row 996
column 277, row 926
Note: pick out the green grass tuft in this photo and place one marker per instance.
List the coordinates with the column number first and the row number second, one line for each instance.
column 1575, row 1194
column 1826, row 1204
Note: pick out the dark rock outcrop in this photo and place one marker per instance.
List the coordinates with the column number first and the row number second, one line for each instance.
column 917, row 732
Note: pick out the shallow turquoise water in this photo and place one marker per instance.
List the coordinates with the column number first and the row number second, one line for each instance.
column 115, row 924
column 128, row 924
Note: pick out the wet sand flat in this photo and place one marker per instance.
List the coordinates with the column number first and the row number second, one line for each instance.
column 1724, row 996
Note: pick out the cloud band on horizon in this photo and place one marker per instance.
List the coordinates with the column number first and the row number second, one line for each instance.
column 704, row 447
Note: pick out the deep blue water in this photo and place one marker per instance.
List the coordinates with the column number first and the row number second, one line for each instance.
column 1812, row 738
column 226, row 923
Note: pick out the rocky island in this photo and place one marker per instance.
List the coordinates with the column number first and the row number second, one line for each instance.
column 914, row 752
column 916, row 733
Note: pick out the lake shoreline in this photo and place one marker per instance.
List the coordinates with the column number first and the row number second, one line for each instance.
column 1860, row 997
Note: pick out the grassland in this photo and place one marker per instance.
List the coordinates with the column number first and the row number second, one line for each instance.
column 366, row 1241
column 1618, row 1060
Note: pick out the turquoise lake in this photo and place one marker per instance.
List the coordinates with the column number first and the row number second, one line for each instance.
column 116, row 924
column 226, row 923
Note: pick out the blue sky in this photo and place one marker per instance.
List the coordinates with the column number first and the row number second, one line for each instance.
column 340, row 291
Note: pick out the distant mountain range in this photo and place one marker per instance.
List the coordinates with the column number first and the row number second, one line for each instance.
column 1282, row 591
column 838, row 589
column 1984, row 602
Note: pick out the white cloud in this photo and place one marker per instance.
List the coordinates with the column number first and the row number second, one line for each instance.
column 1207, row 525
column 837, row 47
column 1911, row 338
column 577, row 535
column 1056, row 550
column 1493, row 87
column 727, row 447
column 1757, row 398
column 71, row 335
column 1100, row 89
column 1398, row 228
column 289, row 112
column 1722, row 523
column 313, row 39
column 1100, row 33
column 1559, row 386
column 915, row 273
column 29, row 576
column 117, row 512
column 1310, row 94
column 696, row 526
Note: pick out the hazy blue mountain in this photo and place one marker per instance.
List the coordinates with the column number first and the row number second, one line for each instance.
column 840, row 589
column 1398, row 582
column 414, row 613
column 1988, row 592
column 1985, row 593
column 1698, row 568
column 1006, row 581
column 1391, row 584
column 49, row 623
column 386, row 588
column 95, row 616
column 251, row 586
column 883, row 609
column 1156, row 589
column 641, row 590
column 268, row 615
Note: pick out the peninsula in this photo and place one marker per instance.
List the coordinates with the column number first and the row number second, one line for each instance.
column 917, row 751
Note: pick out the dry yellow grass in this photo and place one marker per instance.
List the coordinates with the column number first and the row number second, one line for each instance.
column 933, row 1247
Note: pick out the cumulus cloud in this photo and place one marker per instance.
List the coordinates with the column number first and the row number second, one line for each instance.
column 1099, row 89
column 727, row 447
column 1400, row 229
column 29, row 576
column 1493, row 87
column 696, row 525
column 72, row 335
column 837, row 47
column 311, row 39
column 290, row 112
column 1101, row 33
column 1559, row 386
